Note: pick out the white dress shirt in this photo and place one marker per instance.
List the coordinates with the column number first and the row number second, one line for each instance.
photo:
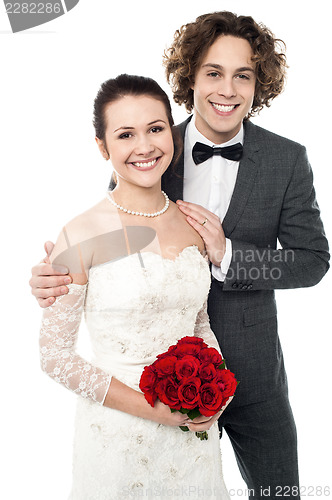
column 211, row 183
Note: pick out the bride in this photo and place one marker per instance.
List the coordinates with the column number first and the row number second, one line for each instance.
column 140, row 277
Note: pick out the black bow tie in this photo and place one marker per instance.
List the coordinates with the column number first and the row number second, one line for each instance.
column 202, row 152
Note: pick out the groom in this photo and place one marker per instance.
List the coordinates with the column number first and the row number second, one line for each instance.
column 245, row 188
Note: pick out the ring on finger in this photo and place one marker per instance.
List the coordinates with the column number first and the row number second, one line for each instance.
column 204, row 221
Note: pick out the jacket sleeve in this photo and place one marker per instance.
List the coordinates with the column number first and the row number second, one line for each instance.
column 303, row 258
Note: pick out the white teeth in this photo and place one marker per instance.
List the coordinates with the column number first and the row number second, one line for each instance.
column 223, row 108
column 145, row 164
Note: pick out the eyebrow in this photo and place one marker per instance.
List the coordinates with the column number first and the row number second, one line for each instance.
column 218, row 66
column 132, row 128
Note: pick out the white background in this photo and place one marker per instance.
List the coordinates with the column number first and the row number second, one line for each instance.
column 51, row 170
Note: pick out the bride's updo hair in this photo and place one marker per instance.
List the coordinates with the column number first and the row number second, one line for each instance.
column 121, row 86
column 132, row 85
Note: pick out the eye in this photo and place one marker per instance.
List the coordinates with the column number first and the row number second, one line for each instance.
column 243, row 76
column 125, row 135
column 213, row 74
column 155, row 130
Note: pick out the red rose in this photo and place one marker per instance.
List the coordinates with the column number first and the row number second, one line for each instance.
column 147, row 384
column 186, row 367
column 165, row 365
column 210, row 355
column 210, row 399
column 189, row 346
column 207, row 372
column 189, row 392
column 227, row 383
column 167, row 391
column 192, row 340
column 170, row 351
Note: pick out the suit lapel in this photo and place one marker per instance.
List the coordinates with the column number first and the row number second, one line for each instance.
column 172, row 180
column 248, row 168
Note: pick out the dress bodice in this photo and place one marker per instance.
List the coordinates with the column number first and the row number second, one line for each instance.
column 136, row 307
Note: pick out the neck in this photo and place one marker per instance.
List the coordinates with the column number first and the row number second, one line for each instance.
column 138, row 198
column 215, row 136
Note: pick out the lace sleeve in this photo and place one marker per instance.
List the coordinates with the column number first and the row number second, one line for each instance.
column 203, row 329
column 58, row 337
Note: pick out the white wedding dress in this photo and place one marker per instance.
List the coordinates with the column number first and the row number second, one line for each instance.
column 135, row 308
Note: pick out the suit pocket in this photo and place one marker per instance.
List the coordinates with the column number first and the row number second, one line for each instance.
column 255, row 315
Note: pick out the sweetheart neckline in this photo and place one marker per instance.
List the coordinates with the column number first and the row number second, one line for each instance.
column 152, row 253
column 149, row 253
column 177, row 256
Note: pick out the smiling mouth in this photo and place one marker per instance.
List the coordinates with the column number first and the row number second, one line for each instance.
column 145, row 165
column 224, row 108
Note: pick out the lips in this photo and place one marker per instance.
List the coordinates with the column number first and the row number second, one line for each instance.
column 224, row 108
column 145, row 165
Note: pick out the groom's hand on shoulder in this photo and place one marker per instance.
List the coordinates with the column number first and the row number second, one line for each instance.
column 48, row 281
column 209, row 227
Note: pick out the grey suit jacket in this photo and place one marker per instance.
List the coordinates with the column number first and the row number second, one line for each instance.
column 273, row 200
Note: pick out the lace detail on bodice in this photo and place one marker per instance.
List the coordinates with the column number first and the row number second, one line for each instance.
column 134, row 309
column 137, row 307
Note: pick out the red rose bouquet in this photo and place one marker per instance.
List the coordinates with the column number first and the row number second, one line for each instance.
column 191, row 378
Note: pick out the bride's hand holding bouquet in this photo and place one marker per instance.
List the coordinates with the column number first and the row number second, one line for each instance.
column 192, row 380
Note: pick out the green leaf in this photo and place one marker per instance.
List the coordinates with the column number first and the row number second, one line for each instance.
column 202, row 435
column 222, row 365
column 194, row 413
column 183, row 428
column 184, row 411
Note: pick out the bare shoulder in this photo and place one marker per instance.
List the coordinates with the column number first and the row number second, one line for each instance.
column 92, row 222
column 76, row 242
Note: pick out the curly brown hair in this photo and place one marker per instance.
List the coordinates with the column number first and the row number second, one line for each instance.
column 191, row 42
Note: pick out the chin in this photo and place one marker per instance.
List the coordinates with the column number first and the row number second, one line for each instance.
column 148, row 184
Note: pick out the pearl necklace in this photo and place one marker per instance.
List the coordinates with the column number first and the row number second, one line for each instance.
column 144, row 214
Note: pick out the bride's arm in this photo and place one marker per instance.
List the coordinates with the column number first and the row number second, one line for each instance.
column 57, row 341
column 61, row 321
column 124, row 398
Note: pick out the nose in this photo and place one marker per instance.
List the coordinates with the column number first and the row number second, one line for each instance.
column 144, row 145
column 227, row 88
